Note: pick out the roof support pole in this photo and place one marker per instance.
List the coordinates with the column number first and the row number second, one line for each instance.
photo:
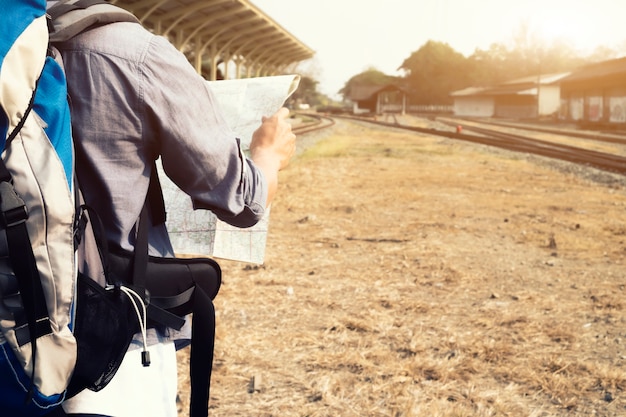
column 227, row 59
column 238, row 60
column 260, row 62
column 235, row 25
column 144, row 9
column 199, row 57
column 214, row 57
column 403, row 103
column 179, row 40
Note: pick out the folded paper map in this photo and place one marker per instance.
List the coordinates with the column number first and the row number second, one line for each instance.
column 199, row 232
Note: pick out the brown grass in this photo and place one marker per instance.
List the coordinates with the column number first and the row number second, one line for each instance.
column 415, row 276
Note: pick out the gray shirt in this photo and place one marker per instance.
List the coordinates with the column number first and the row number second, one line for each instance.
column 134, row 98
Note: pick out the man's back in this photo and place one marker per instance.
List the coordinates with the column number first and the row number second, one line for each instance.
column 134, row 98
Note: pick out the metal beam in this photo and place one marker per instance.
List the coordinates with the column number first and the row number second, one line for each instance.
column 217, row 27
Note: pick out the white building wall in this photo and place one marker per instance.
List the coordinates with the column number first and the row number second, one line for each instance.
column 576, row 107
column 357, row 110
column 474, row 106
column 549, row 100
column 617, row 106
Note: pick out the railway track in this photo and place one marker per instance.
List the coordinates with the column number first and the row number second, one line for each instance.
column 316, row 122
column 609, row 137
column 520, row 143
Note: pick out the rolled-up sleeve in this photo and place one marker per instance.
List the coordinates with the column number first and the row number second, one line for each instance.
column 199, row 152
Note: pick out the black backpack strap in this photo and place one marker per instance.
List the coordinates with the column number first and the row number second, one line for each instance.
column 33, row 320
column 203, row 311
column 154, row 207
column 202, row 345
column 59, row 412
column 155, row 197
column 139, row 274
column 19, row 126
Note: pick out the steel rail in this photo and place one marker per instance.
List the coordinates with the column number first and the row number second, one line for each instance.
column 319, row 123
column 519, row 143
column 610, row 137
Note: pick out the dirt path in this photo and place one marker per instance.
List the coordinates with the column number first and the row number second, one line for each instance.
column 418, row 276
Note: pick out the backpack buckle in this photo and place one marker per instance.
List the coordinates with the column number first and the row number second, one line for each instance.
column 15, row 216
column 13, row 209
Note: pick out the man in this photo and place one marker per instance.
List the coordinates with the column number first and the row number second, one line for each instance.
column 134, row 98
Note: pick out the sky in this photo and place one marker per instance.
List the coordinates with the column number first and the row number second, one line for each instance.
column 351, row 36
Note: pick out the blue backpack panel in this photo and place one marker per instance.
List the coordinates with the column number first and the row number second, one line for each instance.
column 37, row 346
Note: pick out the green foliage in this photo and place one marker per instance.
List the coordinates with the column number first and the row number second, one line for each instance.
column 371, row 76
column 307, row 93
column 435, row 70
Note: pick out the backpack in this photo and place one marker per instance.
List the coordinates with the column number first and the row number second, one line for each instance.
column 61, row 332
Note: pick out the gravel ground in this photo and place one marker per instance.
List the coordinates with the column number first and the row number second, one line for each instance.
column 413, row 275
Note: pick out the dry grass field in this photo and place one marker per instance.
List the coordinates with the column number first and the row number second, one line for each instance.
column 412, row 275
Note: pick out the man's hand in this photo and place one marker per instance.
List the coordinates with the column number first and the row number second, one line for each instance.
column 272, row 147
column 274, row 139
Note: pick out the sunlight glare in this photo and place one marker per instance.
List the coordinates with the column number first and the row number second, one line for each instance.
column 566, row 25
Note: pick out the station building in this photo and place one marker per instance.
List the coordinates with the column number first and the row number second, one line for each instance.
column 386, row 99
column 222, row 38
column 596, row 94
column 378, row 99
column 522, row 98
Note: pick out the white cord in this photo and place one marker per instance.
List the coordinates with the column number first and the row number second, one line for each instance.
column 132, row 295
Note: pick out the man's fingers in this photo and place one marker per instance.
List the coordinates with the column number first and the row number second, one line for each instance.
column 283, row 112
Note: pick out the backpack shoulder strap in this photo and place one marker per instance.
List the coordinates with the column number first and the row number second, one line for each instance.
column 69, row 18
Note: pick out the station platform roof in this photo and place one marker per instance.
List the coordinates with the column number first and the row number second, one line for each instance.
column 214, row 31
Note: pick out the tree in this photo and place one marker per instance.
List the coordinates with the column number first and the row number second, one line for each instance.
column 489, row 67
column 531, row 54
column 371, row 76
column 433, row 71
column 604, row 53
column 307, row 92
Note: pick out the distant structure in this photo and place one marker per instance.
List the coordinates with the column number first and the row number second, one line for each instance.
column 522, row 98
column 596, row 94
column 222, row 38
column 591, row 95
column 377, row 99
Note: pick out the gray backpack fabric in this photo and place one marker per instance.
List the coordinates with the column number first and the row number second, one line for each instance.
column 37, row 268
column 38, row 273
